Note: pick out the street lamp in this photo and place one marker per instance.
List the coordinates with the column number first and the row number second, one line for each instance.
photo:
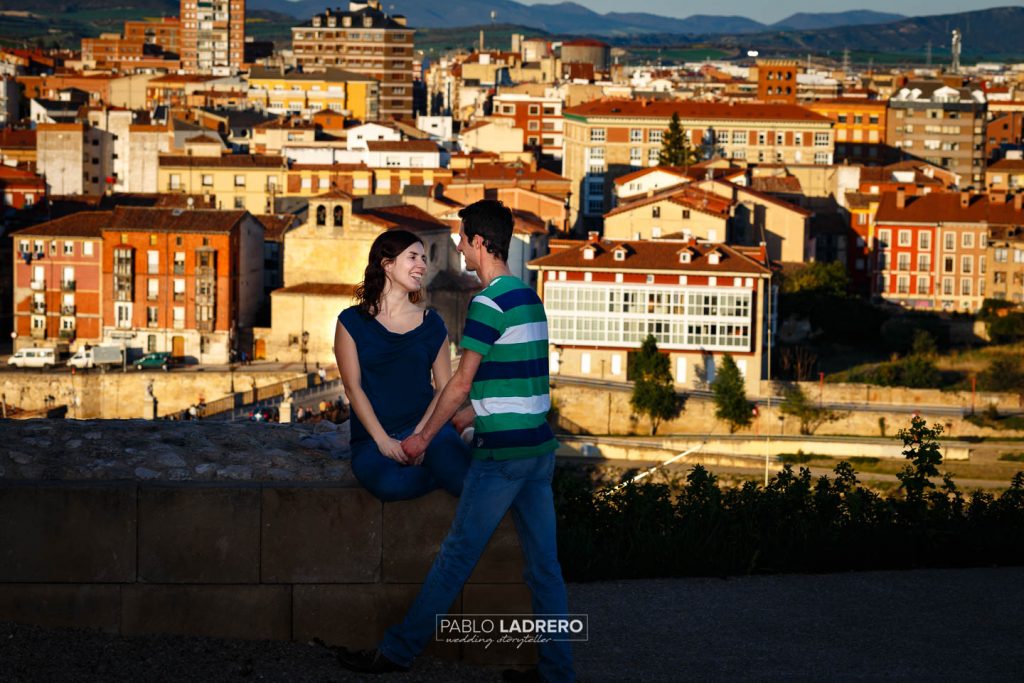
column 305, row 350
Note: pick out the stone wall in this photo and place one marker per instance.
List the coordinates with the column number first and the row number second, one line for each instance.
column 121, row 395
column 233, row 531
column 596, row 410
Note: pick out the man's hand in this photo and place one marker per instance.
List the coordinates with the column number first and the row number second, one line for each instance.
column 463, row 419
column 414, row 447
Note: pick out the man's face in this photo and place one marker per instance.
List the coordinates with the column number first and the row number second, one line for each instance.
column 466, row 249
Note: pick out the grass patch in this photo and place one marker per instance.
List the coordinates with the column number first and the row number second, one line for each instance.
column 1012, row 457
column 863, row 460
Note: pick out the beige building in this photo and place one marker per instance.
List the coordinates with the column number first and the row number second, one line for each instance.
column 367, row 41
column 212, row 36
column 1005, row 279
column 325, row 259
column 605, row 139
column 682, row 212
column 237, row 181
column 1005, row 175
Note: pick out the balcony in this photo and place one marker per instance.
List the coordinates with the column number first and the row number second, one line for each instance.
column 67, row 310
column 39, row 307
column 67, row 285
column 38, row 333
column 37, row 285
column 179, row 268
column 179, row 296
column 67, row 334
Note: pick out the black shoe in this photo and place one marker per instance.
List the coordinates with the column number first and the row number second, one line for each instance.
column 517, row 676
column 367, row 662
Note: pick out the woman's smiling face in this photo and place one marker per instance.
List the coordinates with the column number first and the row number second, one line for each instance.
column 408, row 268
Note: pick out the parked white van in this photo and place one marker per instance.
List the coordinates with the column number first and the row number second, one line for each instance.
column 33, row 358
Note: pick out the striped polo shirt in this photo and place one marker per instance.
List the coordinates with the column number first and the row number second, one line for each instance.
column 506, row 324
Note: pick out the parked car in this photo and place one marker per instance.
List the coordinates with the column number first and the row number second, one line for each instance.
column 34, row 358
column 96, row 356
column 157, row 359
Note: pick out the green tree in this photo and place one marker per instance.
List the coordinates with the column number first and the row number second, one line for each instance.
column 730, row 396
column 921, row 447
column 923, row 344
column 827, row 279
column 797, row 404
column 918, row 372
column 1003, row 374
column 653, row 393
column 675, row 151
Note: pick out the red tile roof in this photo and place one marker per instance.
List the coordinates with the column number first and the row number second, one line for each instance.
column 401, row 146
column 649, row 256
column 777, row 184
column 319, row 289
column 945, row 207
column 663, row 109
column 1007, row 165
column 275, row 225
column 227, row 161
column 81, row 224
column 691, row 198
column 174, row 220
column 404, row 216
column 17, row 138
column 671, row 170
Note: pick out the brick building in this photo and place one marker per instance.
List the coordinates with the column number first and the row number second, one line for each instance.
column 212, row 36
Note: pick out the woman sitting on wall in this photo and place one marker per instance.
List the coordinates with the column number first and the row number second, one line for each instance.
column 387, row 349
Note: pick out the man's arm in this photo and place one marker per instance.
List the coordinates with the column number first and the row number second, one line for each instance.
column 452, row 397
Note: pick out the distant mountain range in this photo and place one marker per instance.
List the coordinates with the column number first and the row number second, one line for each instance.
column 572, row 18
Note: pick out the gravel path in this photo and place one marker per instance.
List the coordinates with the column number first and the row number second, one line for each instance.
column 925, row 625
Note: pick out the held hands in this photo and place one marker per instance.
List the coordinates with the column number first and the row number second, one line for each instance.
column 414, row 447
column 392, row 448
column 463, row 419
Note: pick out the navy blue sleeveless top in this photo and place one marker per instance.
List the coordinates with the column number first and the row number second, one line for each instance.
column 394, row 369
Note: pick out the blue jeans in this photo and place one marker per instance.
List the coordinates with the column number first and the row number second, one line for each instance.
column 491, row 488
column 444, row 466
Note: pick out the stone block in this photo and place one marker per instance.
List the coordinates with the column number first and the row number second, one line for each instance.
column 193, row 534
column 320, row 535
column 498, row 599
column 356, row 615
column 63, row 605
column 67, row 533
column 247, row 612
column 414, row 530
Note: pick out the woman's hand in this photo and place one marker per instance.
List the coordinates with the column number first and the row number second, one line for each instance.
column 392, row 448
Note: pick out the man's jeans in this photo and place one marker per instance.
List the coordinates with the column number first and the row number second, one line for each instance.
column 490, row 489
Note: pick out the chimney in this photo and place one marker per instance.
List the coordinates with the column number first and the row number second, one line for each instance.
column 593, row 237
column 997, row 197
column 965, row 200
column 901, row 198
column 1018, row 201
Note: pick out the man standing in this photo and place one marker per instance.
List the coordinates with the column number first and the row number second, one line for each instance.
column 504, row 373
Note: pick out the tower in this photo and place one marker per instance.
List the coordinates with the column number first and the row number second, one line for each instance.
column 212, row 36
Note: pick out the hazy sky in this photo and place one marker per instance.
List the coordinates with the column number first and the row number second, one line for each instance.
column 780, row 9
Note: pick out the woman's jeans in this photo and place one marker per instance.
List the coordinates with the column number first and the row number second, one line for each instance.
column 492, row 488
column 444, row 466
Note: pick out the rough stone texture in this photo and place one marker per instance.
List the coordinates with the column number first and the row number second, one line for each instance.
column 169, row 451
column 222, row 526
column 357, row 616
column 251, row 612
column 70, row 533
column 317, row 535
column 95, row 606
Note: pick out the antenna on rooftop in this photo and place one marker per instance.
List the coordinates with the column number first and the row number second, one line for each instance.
column 955, row 46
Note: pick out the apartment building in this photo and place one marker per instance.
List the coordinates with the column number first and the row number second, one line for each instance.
column 859, row 126
column 74, row 158
column 776, row 80
column 941, row 124
column 932, row 251
column 57, row 281
column 185, row 281
column 1005, row 279
column 538, row 117
column 290, row 91
column 367, row 41
column 237, row 181
column 212, row 36
column 1005, row 175
column 20, row 189
column 608, row 138
column 699, row 300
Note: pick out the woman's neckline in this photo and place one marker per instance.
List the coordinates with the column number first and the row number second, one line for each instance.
column 387, row 329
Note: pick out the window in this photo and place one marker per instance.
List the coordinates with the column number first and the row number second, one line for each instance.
column 152, row 288
column 635, row 156
column 947, row 264
column 655, row 212
column 534, row 110
column 924, row 262
column 636, row 134
column 152, row 261
column 965, row 286
column 798, row 138
column 903, row 238
column 739, row 137
column 239, row 202
column 903, row 285
column 903, row 262
column 821, row 158
column 922, row 285
column 924, row 240
column 652, row 156
column 947, row 286
column 654, row 136
column 1000, row 254
column 179, row 317
column 780, row 138
column 722, row 137
column 949, row 241
column 966, row 264
column 597, row 134
column 151, row 316
column 175, row 181
column 967, row 241
column 884, row 236
column 762, row 138
column 821, row 139
column 207, row 180
column 239, row 180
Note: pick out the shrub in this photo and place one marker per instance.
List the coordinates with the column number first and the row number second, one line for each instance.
column 730, row 396
column 1002, row 374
